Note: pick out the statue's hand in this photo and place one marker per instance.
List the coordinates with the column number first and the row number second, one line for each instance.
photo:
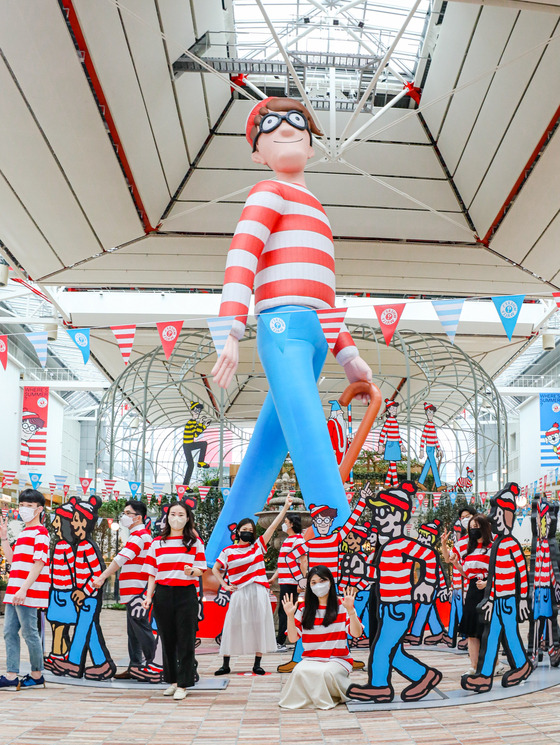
column 224, row 369
column 358, row 370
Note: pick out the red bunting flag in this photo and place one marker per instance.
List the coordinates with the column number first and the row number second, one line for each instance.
column 8, row 478
column 180, row 489
column 4, row 350
column 556, row 296
column 389, row 317
column 203, row 491
column 436, row 498
column 473, row 498
column 52, row 487
column 420, row 498
column 84, row 483
column 125, row 339
column 483, row 495
column 331, row 320
column 116, row 494
column 159, row 499
column 110, row 485
column 169, row 333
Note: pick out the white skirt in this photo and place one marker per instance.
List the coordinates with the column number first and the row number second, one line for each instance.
column 249, row 626
column 314, row 683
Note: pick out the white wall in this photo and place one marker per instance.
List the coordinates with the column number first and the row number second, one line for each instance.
column 529, row 442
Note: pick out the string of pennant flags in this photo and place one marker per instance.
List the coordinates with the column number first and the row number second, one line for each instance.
column 508, row 308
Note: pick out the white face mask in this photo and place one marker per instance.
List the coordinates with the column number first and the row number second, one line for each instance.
column 285, row 527
column 465, row 522
column 27, row 513
column 177, row 522
column 126, row 521
column 321, row 588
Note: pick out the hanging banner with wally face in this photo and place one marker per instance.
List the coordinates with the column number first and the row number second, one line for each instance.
column 34, row 426
column 550, row 429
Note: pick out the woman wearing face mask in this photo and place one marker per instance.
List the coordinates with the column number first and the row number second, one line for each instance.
column 174, row 563
column 321, row 678
column 473, row 565
column 249, row 626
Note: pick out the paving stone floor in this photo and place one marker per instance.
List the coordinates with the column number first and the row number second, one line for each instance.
column 246, row 713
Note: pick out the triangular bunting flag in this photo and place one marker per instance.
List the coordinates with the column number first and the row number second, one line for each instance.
column 84, row 483
column 158, row 489
column 509, row 308
column 66, row 489
column 8, row 478
column 471, row 496
column 219, row 329
column 80, row 337
column 134, row 486
column 39, row 341
column 109, row 485
column 331, row 320
column 556, row 296
column 225, row 492
column 453, row 497
column 449, row 313
column 169, row 333
column 116, row 493
column 420, row 498
column 125, row 339
column 520, row 519
column 203, row 491
column 389, row 317
column 483, row 495
column 4, row 350
column 180, row 489
column 35, row 479
column 436, row 496
column 59, row 481
column 52, row 487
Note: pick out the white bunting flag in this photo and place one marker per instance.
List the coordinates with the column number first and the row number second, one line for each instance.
column 449, row 314
column 220, row 328
column 39, row 341
column 331, row 320
column 125, row 339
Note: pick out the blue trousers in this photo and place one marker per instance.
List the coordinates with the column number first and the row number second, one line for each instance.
column 24, row 618
column 292, row 349
column 503, row 621
column 387, row 651
column 456, row 612
column 426, row 613
column 86, row 635
column 430, row 463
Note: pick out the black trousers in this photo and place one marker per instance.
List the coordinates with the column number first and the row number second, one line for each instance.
column 290, row 591
column 176, row 612
column 189, row 448
column 141, row 640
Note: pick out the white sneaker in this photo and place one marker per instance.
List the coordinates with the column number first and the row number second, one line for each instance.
column 500, row 669
column 180, row 694
column 171, row 690
column 281, row 648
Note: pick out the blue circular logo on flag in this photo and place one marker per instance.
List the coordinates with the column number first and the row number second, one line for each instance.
column 508, row 309
column 81, row 340
column 277, row 325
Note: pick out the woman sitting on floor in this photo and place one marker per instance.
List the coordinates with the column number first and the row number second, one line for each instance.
column 322, row 677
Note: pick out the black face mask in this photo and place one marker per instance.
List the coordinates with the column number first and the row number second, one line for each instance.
column 475, row 533
column 247, row 536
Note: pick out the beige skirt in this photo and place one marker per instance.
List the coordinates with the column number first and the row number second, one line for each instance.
column 313, row 683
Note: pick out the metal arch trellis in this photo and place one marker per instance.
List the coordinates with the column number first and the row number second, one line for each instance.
column 148, row 402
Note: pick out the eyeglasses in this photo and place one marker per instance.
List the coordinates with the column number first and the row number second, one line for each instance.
column 323, row 520
column 272, row 121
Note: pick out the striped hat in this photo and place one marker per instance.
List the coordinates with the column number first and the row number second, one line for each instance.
column 554, row 430
column 428, row 406
column 399, row 497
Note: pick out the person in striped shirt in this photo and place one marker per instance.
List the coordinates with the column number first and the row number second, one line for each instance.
column 61, row 613
column 390, row 442
column 283, row 249
column 289, row 581
column 322, row 624
column 174, row 563
column 27, row 590
column 132, row 587
column 505, row 602
column 395, row 561
column 429, row 442
column 249, row 626
column 195, row 427
column 88, row 564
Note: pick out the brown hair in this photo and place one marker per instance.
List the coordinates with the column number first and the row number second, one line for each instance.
column 282, row 104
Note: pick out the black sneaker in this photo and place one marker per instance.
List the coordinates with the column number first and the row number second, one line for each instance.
column 5, row 683
column 28, row 682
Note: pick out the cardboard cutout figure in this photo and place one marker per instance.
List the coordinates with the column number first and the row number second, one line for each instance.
column 194, row 428
column 61, row 612
column 505, row 602
column 337, row 431
column 464, row 483
column 460, row 541
column 430, row 443
column 88, row 563
column 355, row 571
column 398, row 592
column 544, row 583
column 283, row 248
column 390, row 443
column 427, row 613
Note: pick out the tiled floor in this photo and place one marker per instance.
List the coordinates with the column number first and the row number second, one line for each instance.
column 246, row 713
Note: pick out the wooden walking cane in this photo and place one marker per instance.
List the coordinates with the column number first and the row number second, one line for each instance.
column 375, row 400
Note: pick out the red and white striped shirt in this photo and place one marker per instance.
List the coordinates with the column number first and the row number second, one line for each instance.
column 544, row 576
column 429, row 436
column 324, row 550
column 390, row 432
column 87, row 567
column 325, row 643
column 62, row 566
column 510, row 569
column 395, row 567
column 32, row 545
column 245, row 564
column 166, row 561
column 285, row 574
column 475, row 564
column 131, row 558
column 283, row 246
